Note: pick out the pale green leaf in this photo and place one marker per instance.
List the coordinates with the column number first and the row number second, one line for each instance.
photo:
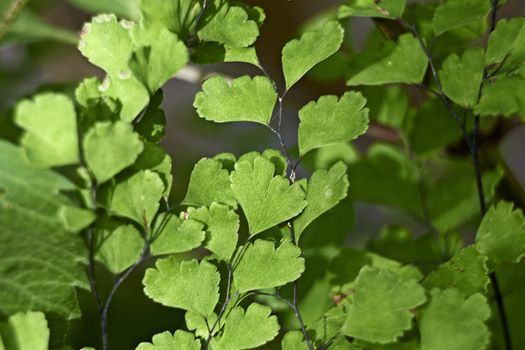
column 293, row 340
column 331, row 120
column 228, row 24
column 136, row 197
column 501, row 234
column 35, row 244
column 117, row 245
column 118, row 137
column 467, row 271
column 131, row 94
column 326, row 188
column 209, row 183
column 451, row 322
column 166, row 341
column 372, row 8
column 25, row 331
column 158, row 58
column 380, row 311
column 457, row 13
column 502, row 97
column 176, row 16
column 187, row 285
column 263, row 266
column 174, row 235
column 222, row 226
column 265, row 199
column 247, row 330
column 245, row 99
column 462, row 77
column 155, row 158
column 507, row 42
column 403, row 61
column 210, row 52
column 314, row 46
column 197, row 323
column 273, row 155
column 50, row 125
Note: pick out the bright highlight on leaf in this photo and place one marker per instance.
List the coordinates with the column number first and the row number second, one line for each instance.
column 118, row 137
column 501, row 235
column 263, row 266
column 314, row 46
column 247, row 330
column 266, row 200
column 381, row 306
column 245, row 99
column 187, row 285
column 25, row 331
column 331, row 120
column 50, row 125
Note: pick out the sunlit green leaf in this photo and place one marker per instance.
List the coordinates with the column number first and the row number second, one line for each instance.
column 166, row 341
column 25, row 331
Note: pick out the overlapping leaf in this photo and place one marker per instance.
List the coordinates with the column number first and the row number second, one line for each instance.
column 174, row 235
column 457, row 13
column 165, row 341
column 25, row 331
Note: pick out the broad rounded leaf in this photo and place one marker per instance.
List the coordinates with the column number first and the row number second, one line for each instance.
column 247, row 330
column 263, row 266
column 501, row 234
column 176, row 16
column 401, row 62
column 265, row 199
column 451, row 322
column 245, row 99
column 325, row 190
column 457, row 13
column 381, row 305
column 314, row 46
column 25, row 331
column 502, row 97
column 187, row 285
column 166, row 341
column 331, row 120
column 174, row 235
column 50, row 125
column 462, row 77
column 118, row 137
column 507, row 42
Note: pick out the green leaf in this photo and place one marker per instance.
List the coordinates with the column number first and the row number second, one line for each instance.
column 325, row 190
column 176, row 16
column 209, row 183
column 331, row 120
column 197, row 323
column 174, row 235
column 381, row 305
column 167, row 341
column 155, row 158
column 185, row 285
column 125, row 8
column 507, row 42
column 25, row 331
column 247, row 330
column 265, row 199
column 388, row 105
column 228, row 24
column 293, row 340
column 262, row 266
column 401, row 62
column 462, row 77
column 372, row 8
column 118, row 137
column 131, row 94
column 451, row 322
column 501, row 234
column 50, row 125
column 117, row 246
column 502, row 97
column 457, row 13
column 107, row 44
column 159, row 57
column 152, row 125
column 36, row 244
column 222, row 225
column 245, row 99
column 136, row 197
column 210, row 52
column 467, row 271
column 314, row 46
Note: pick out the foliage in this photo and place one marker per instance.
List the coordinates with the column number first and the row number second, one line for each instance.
column 254, row 255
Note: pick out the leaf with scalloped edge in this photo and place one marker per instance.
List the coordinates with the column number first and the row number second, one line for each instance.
column 372, row 8
column 381, row 306
column 187, row 285
column 176, row 16
column 266, row 200
column 314, row 46
column 245, row 99
column 501, row 234
column 264, row 266
column 247, row 329
column 25, row 331
column 451, row 322
column 167, row 341
column 331, row 120
column 507, row 43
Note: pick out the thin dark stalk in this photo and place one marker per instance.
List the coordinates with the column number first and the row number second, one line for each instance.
column 91, row 271
column 10, row 15
column 193, row 34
